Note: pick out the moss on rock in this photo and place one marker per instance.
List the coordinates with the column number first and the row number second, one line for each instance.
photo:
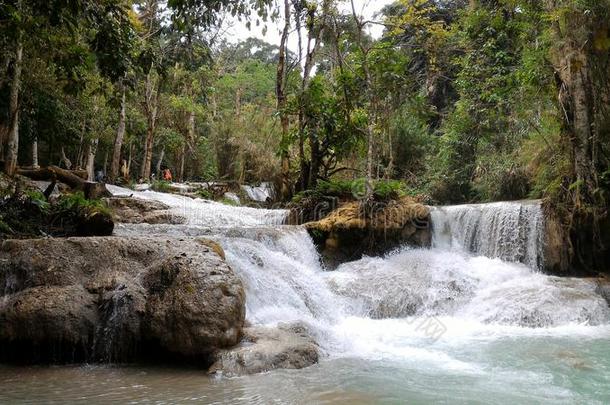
column 348, row 233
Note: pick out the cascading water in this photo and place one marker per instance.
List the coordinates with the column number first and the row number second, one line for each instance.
column 423, row 308
column 260, row 193
column 511, row 231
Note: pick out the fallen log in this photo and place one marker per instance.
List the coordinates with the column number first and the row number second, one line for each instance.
column 72, row 178
column 43, row 173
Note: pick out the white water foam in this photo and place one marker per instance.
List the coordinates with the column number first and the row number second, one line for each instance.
column 208, row 213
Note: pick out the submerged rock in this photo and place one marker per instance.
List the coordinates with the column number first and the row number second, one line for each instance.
column 265, row 349
column 131, row 210
column 347, row 234
column 116, row 299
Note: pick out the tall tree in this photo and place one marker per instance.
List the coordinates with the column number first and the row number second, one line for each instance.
column 369, row 128
column 280, row 89
column 581, row 59
column 10, row 163
column 120, row 134
column 150, row 15
column 60, row 34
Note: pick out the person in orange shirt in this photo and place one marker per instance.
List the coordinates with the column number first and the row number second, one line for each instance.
column 167, row 175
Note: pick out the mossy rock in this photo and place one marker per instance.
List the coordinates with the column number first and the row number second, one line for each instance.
column 348, row 233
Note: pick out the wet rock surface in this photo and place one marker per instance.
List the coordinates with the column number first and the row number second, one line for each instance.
column 116, row 300
column 140, row 211
column 289, row 346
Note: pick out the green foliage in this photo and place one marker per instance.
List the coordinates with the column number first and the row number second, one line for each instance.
column 228, row 201
column 37, row 199
column 161, row 186
column 78, row 204
column 205, row 194
column 353, row 189
column 4, row 227
column 338, row 187
column 389, row 189
column 409, row 127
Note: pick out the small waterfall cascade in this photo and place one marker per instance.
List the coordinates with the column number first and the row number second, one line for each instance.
column 201, row 212
column 511, row 231
column 260, row 193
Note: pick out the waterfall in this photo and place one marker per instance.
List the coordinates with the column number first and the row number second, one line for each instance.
column 283, row 276
column 511, row 231
column 260, row 193
column 477, row 281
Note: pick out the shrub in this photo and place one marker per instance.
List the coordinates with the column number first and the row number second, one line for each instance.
column 228, row 201
column 77, row 203
column 161, row 186
column 205, row 194
column 37, row 199
column 390, row 189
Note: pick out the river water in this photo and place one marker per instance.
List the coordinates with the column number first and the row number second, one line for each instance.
column 469, row 320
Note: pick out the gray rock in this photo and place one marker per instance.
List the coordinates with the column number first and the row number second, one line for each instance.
column 265, row 349
column 115, row 297
column 131, row 210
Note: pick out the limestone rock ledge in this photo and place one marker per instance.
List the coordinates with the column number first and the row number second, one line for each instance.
column 111, row 299
column 346, row 234
column 132, row 210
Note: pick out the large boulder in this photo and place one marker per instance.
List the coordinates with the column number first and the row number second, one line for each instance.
column 348, row 234
column 265, row 348
column 117, row 299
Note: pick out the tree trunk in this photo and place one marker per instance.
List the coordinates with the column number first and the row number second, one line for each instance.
column 316, row 159
column 581, row 70
column 80, row 153
column 35, row 154
column 105, row 169
column 120, row 135
column 190, row 139
column 191, row 129
column 151, row 107
column 159, row 163
column 10, row 162
column 91, row 160
column 369, row 130
column 309, row 172
column 3, row 133
column 281, row 105
column 575, row 59
column 64, row 159
column 130, row 157
column 92, row 190
column 180, row 176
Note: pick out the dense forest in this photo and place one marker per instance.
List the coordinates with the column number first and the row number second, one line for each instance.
column 457, row 101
